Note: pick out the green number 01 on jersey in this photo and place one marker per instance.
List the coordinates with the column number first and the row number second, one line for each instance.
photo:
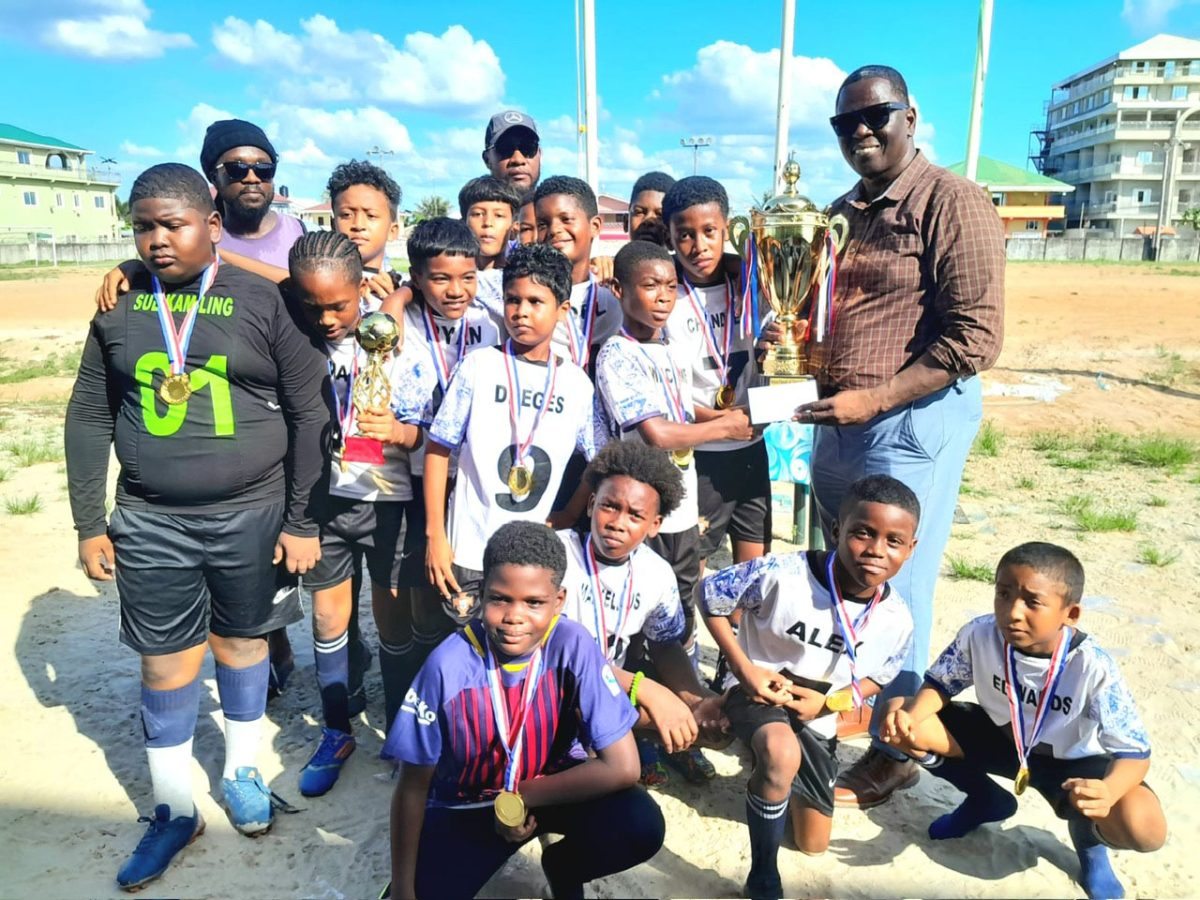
column 211, row 376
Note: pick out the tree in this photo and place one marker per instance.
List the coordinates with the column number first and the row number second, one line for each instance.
column 1191, row 218
column 123, row 210
column 430, row 208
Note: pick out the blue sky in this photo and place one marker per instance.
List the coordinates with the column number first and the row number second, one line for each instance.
column 139, row 80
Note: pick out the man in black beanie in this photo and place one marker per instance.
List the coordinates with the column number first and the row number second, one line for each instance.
column 239, row 160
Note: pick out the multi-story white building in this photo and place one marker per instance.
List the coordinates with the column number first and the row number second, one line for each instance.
column 1108, row 129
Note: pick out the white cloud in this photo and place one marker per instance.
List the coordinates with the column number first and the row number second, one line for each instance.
column 451, row 71
column 129, row 148
column 307, row 154
column 1150, row 15
column 97, row 29
column 350, row 131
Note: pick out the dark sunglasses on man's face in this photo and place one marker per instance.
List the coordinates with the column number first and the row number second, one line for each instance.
column 510, row 144
column 237, row 171
column 874, row 117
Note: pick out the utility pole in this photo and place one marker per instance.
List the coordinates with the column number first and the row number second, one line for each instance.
column 590, row 107
column 982, row 45
column 1168, row 182
column 696, row 142
column 786, row 41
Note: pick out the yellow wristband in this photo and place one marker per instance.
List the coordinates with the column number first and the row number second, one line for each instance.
column 633, row 688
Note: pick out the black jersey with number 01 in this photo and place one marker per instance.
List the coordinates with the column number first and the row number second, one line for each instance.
column 251, row 433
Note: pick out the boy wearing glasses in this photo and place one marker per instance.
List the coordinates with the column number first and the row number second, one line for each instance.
column 920, row 311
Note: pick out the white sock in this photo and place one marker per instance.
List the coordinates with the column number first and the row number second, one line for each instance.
column 241, row 745
column 171, row 775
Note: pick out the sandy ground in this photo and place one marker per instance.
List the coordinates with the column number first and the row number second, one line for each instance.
column 1117, row 347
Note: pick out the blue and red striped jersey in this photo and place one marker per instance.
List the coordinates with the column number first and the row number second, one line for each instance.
column 447, row 720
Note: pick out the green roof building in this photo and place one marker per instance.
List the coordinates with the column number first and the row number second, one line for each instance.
column 1022, row 198
column 48, row 188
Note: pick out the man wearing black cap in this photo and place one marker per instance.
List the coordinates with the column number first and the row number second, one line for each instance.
column 512, row 151
column 239, row 160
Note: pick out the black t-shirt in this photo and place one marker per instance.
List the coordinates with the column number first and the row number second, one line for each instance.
column 253, row 432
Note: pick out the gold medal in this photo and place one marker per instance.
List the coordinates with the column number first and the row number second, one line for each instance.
column 683, row 458
column 175, row 389
column 1021, row 781
column 510, row 809
column 840, row 701
column 520, row 481
column 724, row 397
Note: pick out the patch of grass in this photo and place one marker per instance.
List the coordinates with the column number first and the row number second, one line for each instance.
column 1105, row 520
column 1157, row 451
column 23, row 506
column 1172, row 367
column 1076, row 503
column 1051, row 441
column 989, row 440
column 1026, row 483
column 60, row 366
column 965, row 570
column 1085, row 463
column 31, row 452
column 1156, row 501
column 5, row 474
column 1149, row 555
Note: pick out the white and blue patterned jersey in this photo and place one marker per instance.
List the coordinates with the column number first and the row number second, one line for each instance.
column 656, row 611
column 1092, row 713
column 489, row 293
column 788, row 623
column 474, row 419
column 412, row 379
column 629, row 390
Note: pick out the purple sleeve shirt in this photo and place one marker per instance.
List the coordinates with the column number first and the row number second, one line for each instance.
column 272, row 248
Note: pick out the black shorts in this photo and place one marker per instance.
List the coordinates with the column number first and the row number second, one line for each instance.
column 412, row 563
column 813, row 784
column 470, row 583
column 682, row 551
column 990, row 746
column 180, row 577
column 734, row 496
column 350, row 528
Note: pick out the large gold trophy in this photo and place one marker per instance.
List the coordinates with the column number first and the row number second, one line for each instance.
column 792, row 245
column 379, row 335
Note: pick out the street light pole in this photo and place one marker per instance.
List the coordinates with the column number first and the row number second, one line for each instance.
column 1168, row 182
column 696, row 142
column 784, row 97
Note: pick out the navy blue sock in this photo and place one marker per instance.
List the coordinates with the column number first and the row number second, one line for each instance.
column 1096, row 874
column 333, row 680
column 243, row 692
column 397, row 670
column 169, row 717
column 766, row 821
column 986, row 801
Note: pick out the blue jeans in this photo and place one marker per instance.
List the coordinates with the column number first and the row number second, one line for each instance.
column 925, row 445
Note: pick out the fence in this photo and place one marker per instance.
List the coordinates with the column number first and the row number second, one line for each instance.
column 42, row 252
column 1110, row 249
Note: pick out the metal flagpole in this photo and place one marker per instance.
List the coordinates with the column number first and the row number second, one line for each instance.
column 982, row 45
column 580, row 127
column 785, row 92
column 591, row 116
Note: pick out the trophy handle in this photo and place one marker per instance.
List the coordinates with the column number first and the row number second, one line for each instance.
column 840, row 227
column 739, row 230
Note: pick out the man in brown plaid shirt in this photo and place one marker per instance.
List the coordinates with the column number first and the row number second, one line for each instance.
column 919, row 313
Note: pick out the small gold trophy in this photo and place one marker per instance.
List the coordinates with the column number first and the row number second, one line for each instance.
column 795, row 245
column 379, row 335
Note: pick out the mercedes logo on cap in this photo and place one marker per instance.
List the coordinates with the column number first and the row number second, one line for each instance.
column 513, row 118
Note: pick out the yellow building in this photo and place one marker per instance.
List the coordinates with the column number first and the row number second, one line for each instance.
column 1023, row 199
column 48, row 188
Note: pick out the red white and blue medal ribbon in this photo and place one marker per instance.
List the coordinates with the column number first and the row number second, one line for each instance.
column 1016, row 707
column 512, row 732
column 750, row 326
column 433, row 336
column 719, row 356
column 178, row 340
column 511, row 371
column 580, row 342
column 850, row 628
column 668, row 381
column 624, row 606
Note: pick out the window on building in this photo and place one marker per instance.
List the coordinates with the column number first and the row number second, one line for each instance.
column 1179, row 92
column 997, row 199
column 1141, row 196
column 99, row 201
column 1139, row 67
column 1168, row 69
column 78, row 201
column 30, row 198
column 1136, row 91
column 1033, row 226
column 23, row 157
column 1110, row 196
column 58, row 200
column 1185, row 196
column 1145, row 157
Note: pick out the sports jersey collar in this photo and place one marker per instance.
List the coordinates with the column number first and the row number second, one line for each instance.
column 1076, row 639
column 816, row 566
column 531, row 362
column 476, row 642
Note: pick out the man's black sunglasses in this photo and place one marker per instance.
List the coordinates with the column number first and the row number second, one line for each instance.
column 237, row 171
column 511, row 143
column 874, row 117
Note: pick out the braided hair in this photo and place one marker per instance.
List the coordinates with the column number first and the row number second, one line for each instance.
column 328, row 250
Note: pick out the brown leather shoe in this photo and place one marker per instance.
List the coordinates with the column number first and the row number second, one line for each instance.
column 854, row 723
column 872, row 779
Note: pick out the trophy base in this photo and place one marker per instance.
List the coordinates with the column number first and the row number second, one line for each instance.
column 785, row 364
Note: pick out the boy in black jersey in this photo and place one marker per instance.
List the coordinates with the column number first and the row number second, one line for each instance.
column 213, row 399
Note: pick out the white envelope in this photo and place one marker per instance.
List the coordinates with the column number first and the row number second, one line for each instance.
column 778, row 402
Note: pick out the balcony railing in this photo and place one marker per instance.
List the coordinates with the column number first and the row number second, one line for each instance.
column 43, row 173
column 1124, row 208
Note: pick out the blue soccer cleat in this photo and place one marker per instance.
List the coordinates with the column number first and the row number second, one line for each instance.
column 248, row 800
column 158, row 847
column 321, row 772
